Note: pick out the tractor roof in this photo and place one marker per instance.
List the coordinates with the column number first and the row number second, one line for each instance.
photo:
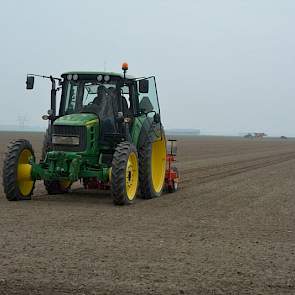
column 98, row 73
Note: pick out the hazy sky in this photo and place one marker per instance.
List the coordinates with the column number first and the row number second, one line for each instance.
column 224, row 66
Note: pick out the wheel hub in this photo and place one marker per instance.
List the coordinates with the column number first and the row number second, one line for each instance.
column 131, row 176
column 24, row 179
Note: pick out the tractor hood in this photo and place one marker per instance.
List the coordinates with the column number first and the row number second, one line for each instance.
column 82, row 119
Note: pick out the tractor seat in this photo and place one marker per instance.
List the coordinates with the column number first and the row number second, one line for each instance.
column 146, row 105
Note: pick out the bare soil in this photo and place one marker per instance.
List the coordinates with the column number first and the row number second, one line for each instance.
column 230, row 229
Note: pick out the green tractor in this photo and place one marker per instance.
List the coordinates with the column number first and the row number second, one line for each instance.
column 107, row 134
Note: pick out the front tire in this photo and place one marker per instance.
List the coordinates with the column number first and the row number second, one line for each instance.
column 17, row 180
column 124, row 177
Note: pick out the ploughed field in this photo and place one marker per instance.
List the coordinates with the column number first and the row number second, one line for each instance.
column 230, row 229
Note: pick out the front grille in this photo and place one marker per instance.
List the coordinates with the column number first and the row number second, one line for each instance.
column 70, row 131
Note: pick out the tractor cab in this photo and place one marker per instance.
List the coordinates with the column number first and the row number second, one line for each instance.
column 109, row 96
column 99, row 93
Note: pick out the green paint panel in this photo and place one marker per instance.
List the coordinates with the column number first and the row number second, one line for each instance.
column 136, row 128
column 75, row 119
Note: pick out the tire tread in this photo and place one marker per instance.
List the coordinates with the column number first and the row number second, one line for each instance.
column 118, row 180
column 9, row 172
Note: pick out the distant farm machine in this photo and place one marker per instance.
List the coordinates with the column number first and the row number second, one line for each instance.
column 107, row 134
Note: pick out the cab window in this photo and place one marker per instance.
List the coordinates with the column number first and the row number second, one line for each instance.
column 148, row 102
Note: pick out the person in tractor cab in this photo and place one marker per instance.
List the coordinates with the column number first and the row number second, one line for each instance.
column 101, row 94
column 102, row 104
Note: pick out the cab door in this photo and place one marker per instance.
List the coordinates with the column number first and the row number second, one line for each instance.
column 148, row 101
column 148, row 105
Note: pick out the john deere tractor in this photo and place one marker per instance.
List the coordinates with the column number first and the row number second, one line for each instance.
column 107, row 133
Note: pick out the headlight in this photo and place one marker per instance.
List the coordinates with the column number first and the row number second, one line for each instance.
column 65, row 140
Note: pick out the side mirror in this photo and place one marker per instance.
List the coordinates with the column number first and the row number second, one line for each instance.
column 30, row 82
column 157, row 118
column 143, row 86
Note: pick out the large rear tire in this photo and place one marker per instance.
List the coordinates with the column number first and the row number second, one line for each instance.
column 152, row 167
column 17, row 181
column 124, row 177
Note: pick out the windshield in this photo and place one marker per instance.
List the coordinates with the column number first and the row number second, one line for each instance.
column 81, row 94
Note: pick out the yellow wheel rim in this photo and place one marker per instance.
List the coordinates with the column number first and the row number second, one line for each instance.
column 131, row 176
column 158, row 164
column 24, row 180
